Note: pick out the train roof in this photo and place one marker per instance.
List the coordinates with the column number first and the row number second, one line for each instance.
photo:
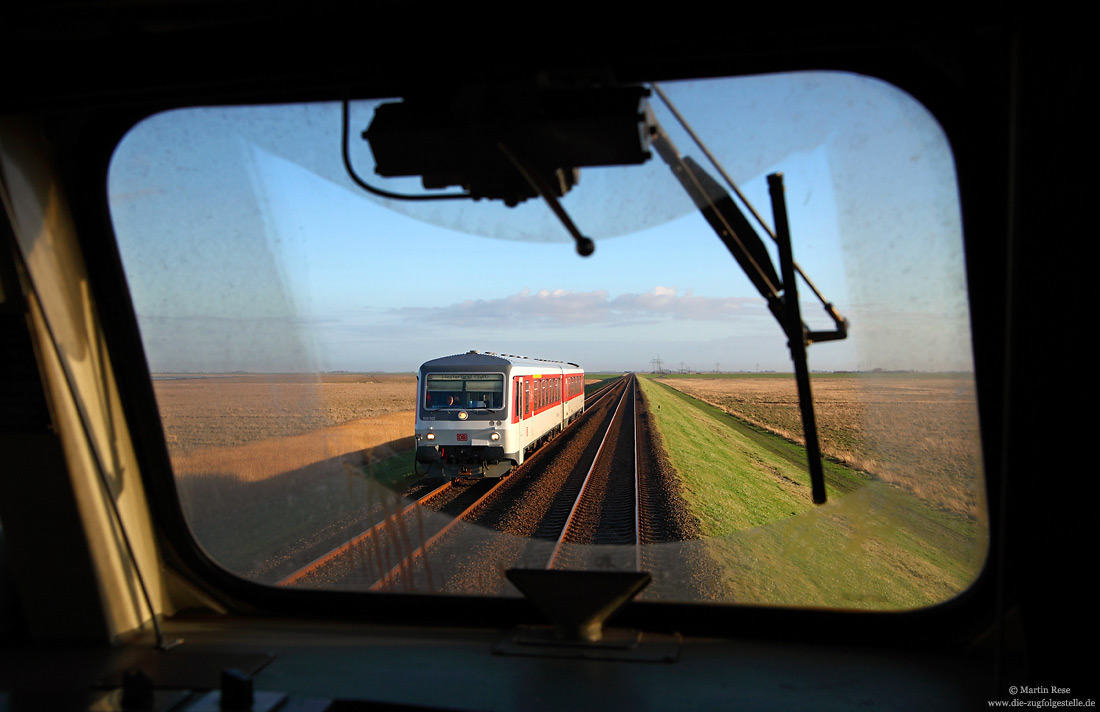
column 490, row 358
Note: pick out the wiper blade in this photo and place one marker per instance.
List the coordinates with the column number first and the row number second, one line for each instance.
column 781, row 292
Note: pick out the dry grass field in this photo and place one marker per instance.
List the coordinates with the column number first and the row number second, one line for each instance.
column 915, row 431
column 227, row 410
column 273, row 468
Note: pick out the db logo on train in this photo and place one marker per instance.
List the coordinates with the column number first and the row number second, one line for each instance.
column 463, row 437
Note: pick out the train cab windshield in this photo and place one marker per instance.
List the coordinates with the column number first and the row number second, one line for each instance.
column 459, row 391
column 285, row 312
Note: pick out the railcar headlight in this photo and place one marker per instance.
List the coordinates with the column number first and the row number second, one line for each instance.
column 463, row 415
column 430, row 436
column 494, row 436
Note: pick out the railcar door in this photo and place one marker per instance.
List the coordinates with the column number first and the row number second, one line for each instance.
column 559, row 394
column 517, row 399
column 526, row 405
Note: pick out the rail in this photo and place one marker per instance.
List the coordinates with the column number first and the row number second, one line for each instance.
column 609, row 472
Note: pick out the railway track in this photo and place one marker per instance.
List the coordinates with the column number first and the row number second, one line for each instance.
column 578, row 503
column 602, row 529
column 372, row 554
column 391, row 526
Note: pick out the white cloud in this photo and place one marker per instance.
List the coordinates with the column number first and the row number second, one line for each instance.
column 563, row 307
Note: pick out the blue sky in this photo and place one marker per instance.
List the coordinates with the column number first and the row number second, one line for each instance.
column 247, row 248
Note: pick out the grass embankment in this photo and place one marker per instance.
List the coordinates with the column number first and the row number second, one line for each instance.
column 872, row 545
column 915, row 431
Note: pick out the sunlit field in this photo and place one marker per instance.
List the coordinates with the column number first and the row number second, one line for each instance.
column 200, row 411
column 915, row 431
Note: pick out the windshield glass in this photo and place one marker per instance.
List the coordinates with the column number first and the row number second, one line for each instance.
column 456, row 390
column 286, row 313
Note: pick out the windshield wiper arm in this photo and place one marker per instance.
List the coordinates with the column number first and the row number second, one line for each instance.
column 780, row 292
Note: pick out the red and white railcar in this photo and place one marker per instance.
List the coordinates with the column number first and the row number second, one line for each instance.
column 479, row 414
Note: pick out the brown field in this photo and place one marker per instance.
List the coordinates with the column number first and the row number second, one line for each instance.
column 355, row 441
column 201, row 412
column 252, row 428
column 915, row 431
column 274, row 468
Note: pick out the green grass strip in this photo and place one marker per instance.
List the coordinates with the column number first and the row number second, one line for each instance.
column 872, row 546
column 736, row 476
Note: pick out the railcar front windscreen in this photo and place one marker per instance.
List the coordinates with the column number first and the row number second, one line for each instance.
column 285, row 312
column 464, row 390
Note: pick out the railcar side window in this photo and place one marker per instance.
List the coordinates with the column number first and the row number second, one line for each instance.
column 319, row 364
